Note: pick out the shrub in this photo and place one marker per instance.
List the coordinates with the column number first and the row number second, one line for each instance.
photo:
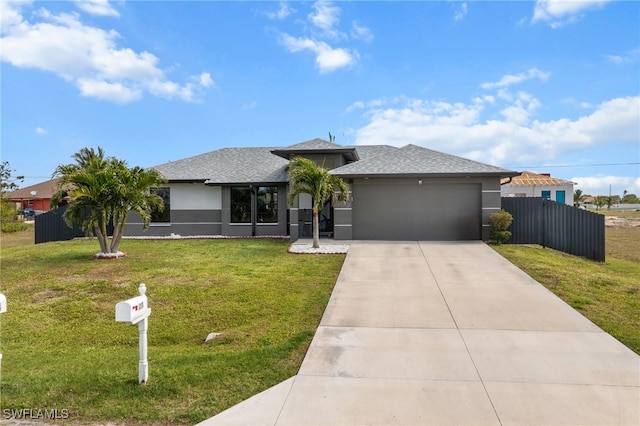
column 500, row 222
column 7, row 211
column 9, row 227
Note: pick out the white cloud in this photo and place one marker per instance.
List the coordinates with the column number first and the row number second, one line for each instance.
column 41, row 131
column 325, row 20
column 90, row 58
column 511, row 79
column 10, row 13
column 328, row 59
column 97, row 7
column 599, row 185
column 376, row 103
column 630, row 57
column 461, row 129
column 559, row 13
column 284, row 10
column 461, row 12
column 326, row 17
column 205, row 79
column 361, row 33
column 114, row 92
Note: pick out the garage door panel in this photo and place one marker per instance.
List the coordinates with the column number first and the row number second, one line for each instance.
column 417, row 212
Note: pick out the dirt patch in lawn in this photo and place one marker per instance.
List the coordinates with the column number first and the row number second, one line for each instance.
column 621, row 222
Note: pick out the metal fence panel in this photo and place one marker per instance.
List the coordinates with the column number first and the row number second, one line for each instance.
column 556, row 225
column 50, row 226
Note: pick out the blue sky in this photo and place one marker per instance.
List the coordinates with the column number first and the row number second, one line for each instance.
column 547, row 86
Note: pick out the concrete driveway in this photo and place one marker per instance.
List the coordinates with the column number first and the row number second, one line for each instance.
column 442, row 333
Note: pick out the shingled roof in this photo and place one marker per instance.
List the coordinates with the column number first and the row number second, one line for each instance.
column 269, row 164
column 530, row 178
column 229, row 165
column 43, row 190
column 415, row 160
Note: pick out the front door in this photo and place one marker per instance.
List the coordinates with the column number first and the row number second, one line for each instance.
column 325, row 219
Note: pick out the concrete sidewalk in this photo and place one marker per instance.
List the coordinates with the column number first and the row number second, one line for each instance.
column 449, row 333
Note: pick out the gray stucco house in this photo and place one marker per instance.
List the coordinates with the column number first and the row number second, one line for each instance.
column 408, row 193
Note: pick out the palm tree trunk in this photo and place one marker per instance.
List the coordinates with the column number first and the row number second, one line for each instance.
column 104, row 247
column 316, row 229
column 102, row 234
column 118, row 231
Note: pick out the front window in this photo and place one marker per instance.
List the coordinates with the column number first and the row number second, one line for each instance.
column 267, row 204
column 164, row 215
column 240, row 204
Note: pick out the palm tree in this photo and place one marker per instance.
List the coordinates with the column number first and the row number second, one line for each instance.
column 103, row 189
column 578, row 197
column 305, row 177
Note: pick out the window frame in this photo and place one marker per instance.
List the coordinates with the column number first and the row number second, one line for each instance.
column 164, row 217
column 240, row 207
column 267, row 210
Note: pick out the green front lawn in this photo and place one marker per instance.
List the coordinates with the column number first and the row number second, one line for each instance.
column 62, row 348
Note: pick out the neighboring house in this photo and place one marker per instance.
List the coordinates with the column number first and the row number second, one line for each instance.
column 407, row 193
column 36, row 197
column 530, row 184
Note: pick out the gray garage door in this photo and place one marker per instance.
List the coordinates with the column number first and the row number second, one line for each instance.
column 442, row 212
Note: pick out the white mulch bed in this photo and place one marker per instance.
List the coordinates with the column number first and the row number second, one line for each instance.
column 323, row 249
column 117, row 255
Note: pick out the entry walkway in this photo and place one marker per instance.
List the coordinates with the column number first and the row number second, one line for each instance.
column 449, row 333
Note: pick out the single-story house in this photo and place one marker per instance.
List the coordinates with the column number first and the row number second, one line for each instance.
column 36, row 197
column 529, row 184
column 408, row 193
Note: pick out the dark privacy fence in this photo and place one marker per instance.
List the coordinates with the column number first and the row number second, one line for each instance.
column 50, row 226
column 555, row 225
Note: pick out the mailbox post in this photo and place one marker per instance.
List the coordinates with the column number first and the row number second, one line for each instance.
column 136, row 311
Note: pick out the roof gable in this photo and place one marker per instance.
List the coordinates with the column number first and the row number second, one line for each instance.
column 312, row 144
column 317, row 146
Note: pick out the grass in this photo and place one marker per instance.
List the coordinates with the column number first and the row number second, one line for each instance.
column 607, row 293
column 63, row 349
column 629, row 214
column 19, row 238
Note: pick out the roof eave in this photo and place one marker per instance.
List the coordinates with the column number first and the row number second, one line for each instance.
column 245, row 183
column 425, row 175
column 200, row 180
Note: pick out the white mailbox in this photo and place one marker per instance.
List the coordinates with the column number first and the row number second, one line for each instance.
column 136, row 311
column 3, row 303
column 132, row 311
